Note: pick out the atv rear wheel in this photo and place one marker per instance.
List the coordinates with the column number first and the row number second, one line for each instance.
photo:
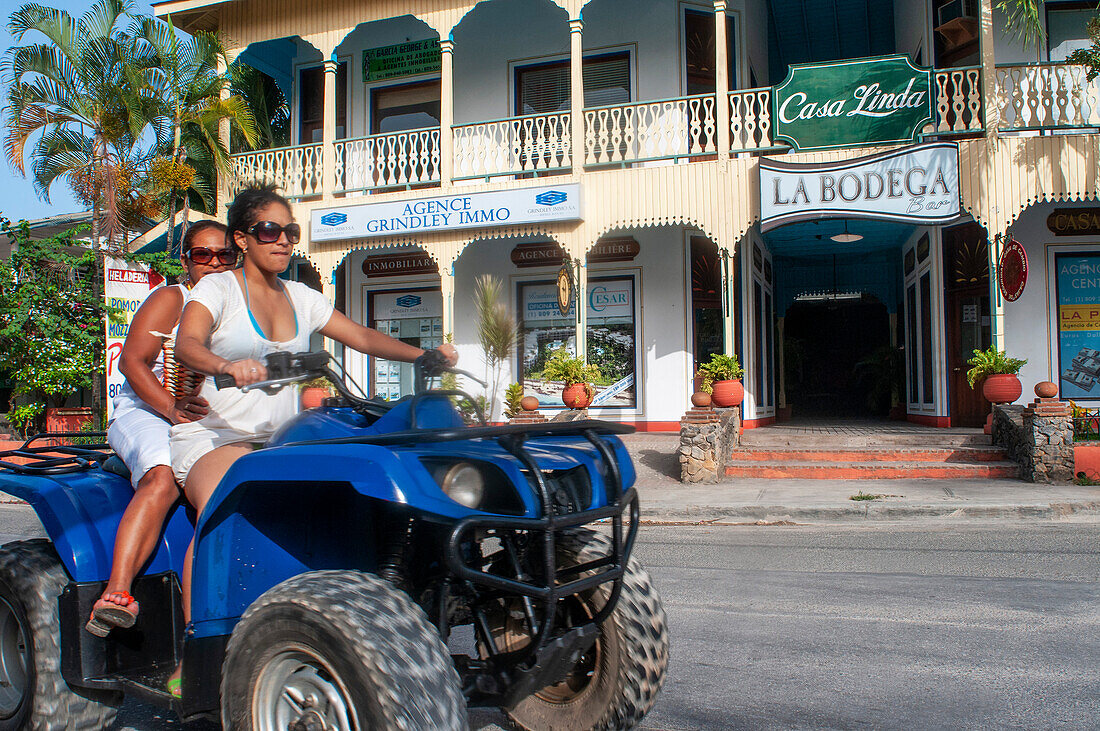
column 338, row 650
column 33, row 695
column 616, row 682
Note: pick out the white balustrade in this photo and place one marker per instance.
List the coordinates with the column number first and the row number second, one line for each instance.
column 296, row 171
column 388, row 160
column 958, row 100
column 670, row 129
column 529, row 144
column 1047, row 95
column 750, row 119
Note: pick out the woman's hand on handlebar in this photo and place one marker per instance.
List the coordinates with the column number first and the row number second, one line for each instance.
column 245, row 372
column 450, row 353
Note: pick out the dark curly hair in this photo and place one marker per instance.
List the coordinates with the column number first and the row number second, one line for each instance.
column 197, row 228
column 242, row 210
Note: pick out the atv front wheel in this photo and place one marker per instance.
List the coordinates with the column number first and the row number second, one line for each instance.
column 616, row 682
column 338, row 650
column 33, row 695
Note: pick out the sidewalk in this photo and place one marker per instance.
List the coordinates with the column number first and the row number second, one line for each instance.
column 665, row 499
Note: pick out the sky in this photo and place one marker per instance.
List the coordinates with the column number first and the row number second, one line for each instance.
column 18, row 198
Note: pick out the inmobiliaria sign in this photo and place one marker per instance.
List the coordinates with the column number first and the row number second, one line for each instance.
column 917, row 184
column 852, row 103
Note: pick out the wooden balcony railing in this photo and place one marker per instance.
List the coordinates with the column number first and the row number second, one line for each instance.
column 1046, row 96
column 1027, row 97
column 537, row 143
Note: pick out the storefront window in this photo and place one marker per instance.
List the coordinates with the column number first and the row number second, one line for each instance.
column 1078, row 286
column 611, row 339
column 414, row 317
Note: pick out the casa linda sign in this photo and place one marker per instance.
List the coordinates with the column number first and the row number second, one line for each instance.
column 1012, row 271
column 447, row 213
column 852, row 103
column 403, row 59
column 1074, row 222
column 916, row 184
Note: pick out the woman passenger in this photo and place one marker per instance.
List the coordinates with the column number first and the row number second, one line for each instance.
column 231, row 322
column 143, row 412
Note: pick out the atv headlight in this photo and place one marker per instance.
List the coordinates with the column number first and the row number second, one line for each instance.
column 464, row 484
column 475, row 484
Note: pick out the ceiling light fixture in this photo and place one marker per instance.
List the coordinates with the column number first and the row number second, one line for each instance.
column 846, row 238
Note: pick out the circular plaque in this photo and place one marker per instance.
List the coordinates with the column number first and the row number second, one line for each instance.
column 1012, row 271
column 565, row 288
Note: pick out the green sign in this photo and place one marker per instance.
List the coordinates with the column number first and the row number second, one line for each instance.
column 852, row 103
column 404, row 59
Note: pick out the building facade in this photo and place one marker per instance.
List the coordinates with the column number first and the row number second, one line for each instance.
column 646, row 145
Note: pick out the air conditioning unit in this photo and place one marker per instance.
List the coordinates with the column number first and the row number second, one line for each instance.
column 956, row 9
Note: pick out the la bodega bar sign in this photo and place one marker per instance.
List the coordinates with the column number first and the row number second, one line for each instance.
column 917, row 184
column 854, row 102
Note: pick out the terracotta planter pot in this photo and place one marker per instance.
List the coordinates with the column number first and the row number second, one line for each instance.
column 576, row 396
column 1001, row 388
column 700, row 399
column 529, row 403
column 727, row 393
column 1046, row 389
column 313, row 397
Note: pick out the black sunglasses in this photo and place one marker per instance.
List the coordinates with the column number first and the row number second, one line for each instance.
column 202, row 255
column 268, row 232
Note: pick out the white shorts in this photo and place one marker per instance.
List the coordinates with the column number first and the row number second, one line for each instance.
column 191, row 442
column 140, row 439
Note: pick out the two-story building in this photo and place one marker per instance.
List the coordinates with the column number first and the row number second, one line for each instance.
column 830, row 190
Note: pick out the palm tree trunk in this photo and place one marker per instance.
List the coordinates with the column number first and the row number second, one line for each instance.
column 186, row 213
column 171, row 233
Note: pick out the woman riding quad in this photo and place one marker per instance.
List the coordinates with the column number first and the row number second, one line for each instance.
column 145, row 408
column 231, row 322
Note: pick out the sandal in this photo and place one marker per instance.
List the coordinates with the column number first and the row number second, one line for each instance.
column 174, row 687
column 106, row 615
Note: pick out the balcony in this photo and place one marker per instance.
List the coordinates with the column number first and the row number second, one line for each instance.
column 1027, row 99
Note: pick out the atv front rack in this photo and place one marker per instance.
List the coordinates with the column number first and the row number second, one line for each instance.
column 56, row 459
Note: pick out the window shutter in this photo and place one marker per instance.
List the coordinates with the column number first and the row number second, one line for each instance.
column 607, row 81
column 544, row 89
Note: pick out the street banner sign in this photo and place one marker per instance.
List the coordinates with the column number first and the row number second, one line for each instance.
column 851, row 103
column 917, row 184
column 125, row 286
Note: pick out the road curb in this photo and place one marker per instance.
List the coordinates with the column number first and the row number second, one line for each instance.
column 694, row 514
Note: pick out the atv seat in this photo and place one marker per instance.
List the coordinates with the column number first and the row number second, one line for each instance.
column 117, row 466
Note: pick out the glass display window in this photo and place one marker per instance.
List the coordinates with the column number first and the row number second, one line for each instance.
column 412, row 316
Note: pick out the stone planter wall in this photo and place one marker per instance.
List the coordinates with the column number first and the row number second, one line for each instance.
column 707, row 437
column 1039, row 438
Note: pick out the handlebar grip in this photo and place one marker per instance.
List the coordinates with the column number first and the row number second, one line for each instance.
column 224, row 380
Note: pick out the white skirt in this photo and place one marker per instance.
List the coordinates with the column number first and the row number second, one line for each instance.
column 140, row 439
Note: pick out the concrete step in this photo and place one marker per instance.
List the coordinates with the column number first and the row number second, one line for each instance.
column 777, row 438
column 942, row 455
column 822, row 470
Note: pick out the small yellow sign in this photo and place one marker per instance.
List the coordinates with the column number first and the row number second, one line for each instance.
column 1079, row 317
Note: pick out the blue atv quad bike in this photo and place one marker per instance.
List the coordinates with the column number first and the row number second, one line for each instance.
column 374, row 566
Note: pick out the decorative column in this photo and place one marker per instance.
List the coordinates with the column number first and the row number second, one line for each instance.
column 576, row 96
column 729, row 295
column 722, row 79
column 446, row 122
column 991, row 105
column 447, row 289
column 328, row 289
column 223, row 185
column 582, row 308
column 996, row 304
column 328, row 132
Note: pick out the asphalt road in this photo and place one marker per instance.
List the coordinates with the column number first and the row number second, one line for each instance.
column 879, row 626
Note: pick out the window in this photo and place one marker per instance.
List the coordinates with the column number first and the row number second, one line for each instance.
column 405, row 107
column 700, row 55
column 1078, row 293
column 611, row 339
column 1066, row 28
column 414, row 317
column 311, row 103
column 544, row 89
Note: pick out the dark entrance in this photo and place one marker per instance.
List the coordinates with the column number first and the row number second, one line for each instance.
column 966, row 314
column 838, row 358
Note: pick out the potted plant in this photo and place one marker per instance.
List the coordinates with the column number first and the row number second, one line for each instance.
column 314, row 392
column 575, row 374
column 997, row 374
column 721, row 378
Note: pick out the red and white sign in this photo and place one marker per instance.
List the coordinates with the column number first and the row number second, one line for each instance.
column 125, row 287
column 1012, row 271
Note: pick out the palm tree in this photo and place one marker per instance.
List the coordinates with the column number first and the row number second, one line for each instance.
column 496, row 329
column 76, row 102
column 182, row 76
column 268, row 105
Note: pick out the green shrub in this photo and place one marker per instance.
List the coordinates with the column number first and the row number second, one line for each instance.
column 991, row 362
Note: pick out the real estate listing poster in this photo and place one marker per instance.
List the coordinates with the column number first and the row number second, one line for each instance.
column 1079, row 325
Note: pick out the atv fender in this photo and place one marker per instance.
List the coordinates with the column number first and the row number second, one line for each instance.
column 80, row 512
